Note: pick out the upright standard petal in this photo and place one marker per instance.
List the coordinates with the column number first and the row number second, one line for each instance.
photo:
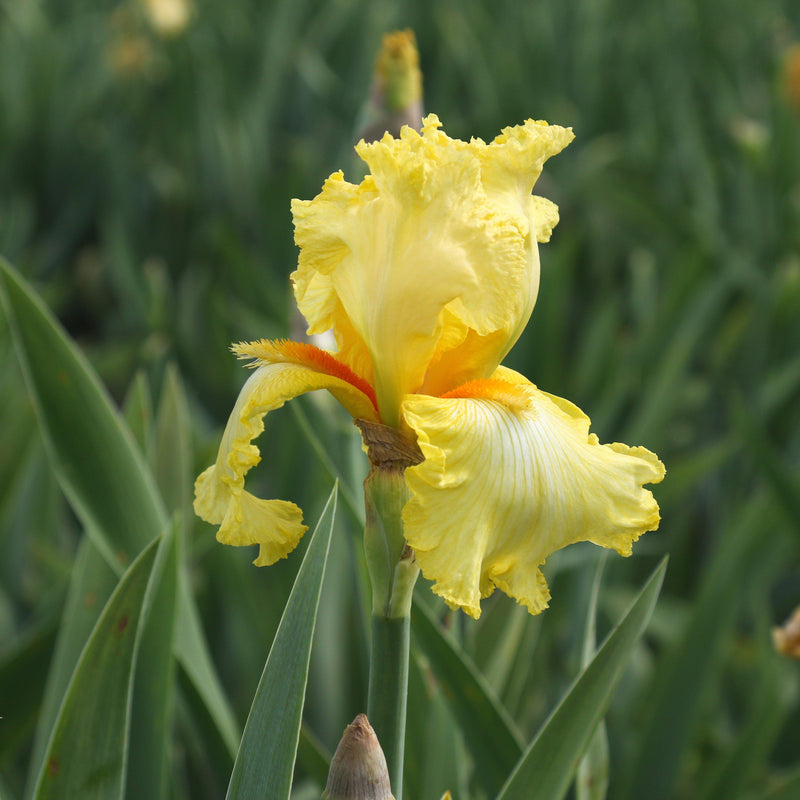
column 512, row 474
column 284, row 370
column 435, row 236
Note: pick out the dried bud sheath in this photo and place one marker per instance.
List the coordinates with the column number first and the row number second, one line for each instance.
column 358, row 768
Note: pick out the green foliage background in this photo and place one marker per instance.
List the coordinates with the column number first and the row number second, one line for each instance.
column 144, row 191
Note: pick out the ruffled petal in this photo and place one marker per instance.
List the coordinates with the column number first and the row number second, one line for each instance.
column 510, row 475
column 284, row 370
column 441, row 231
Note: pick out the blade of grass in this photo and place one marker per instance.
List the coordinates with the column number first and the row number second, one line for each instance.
column 684, row 673
column 192, row 652
column 355, row 507
column 489, row 733
column 546, row 769
column 87, row 753
column 312, row 755
column 787, row 788
column 657, row 401
column 90, row 587
column 137, row 410
column 501, row 639
column 592, row 781
column 100, row 468
column 150, row 750
column 434, row 752
column 780, row 475
column 23, row 672
column 172, row 456
column 265, row 761
column 772, row 699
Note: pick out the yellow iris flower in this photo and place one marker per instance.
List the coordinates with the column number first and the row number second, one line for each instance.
column 427, row 273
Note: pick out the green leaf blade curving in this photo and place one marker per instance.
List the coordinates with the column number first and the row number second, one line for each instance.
column 265, row 761
column 547, row 767
column 87, row 753
column 489, row 733
column 101, row 469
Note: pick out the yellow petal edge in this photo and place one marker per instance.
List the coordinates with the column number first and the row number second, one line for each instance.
column 512, row 474
column 440, row 232
column 220, row 497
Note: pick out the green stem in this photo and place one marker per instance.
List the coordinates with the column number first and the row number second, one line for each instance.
column 388, row 691
column 393, row 572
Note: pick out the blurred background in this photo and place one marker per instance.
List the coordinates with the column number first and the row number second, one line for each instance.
column 148, row 154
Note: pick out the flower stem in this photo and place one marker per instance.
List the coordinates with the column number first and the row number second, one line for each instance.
column 393, row 572
column 388, row 690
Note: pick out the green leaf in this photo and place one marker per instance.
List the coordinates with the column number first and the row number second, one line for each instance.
column 669, row 370
column 265, row 761
column 312, row 755
column 354, row 505
column 138, row 410
column 489, row 732
column 99, row 466
column 18, row 438
column 787, row 789
column 23, row 671
column 499, row 637
column 149, row 752
column 546, row 769
column 192, row 652
column 101, row 469
column 435, row 757
column 772, row 698
column 204, row 757
column 91, row 585
column 779, row 472
column 86, row 755
column 172, row 456
column 592, row 781
column 685, row 671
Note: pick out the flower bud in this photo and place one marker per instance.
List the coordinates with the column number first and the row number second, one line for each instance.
column 396, row 95
column 168, row 18
column 790, row 77
column 358, row 768
column 787, row 639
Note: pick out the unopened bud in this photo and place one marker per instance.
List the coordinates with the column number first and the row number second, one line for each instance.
column 787, row 638
column 169, row 18
column 790, row 77
column 358, row 768
column 397, row 71
column 396, row 96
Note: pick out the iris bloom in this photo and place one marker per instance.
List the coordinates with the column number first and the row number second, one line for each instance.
column 427, row 273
